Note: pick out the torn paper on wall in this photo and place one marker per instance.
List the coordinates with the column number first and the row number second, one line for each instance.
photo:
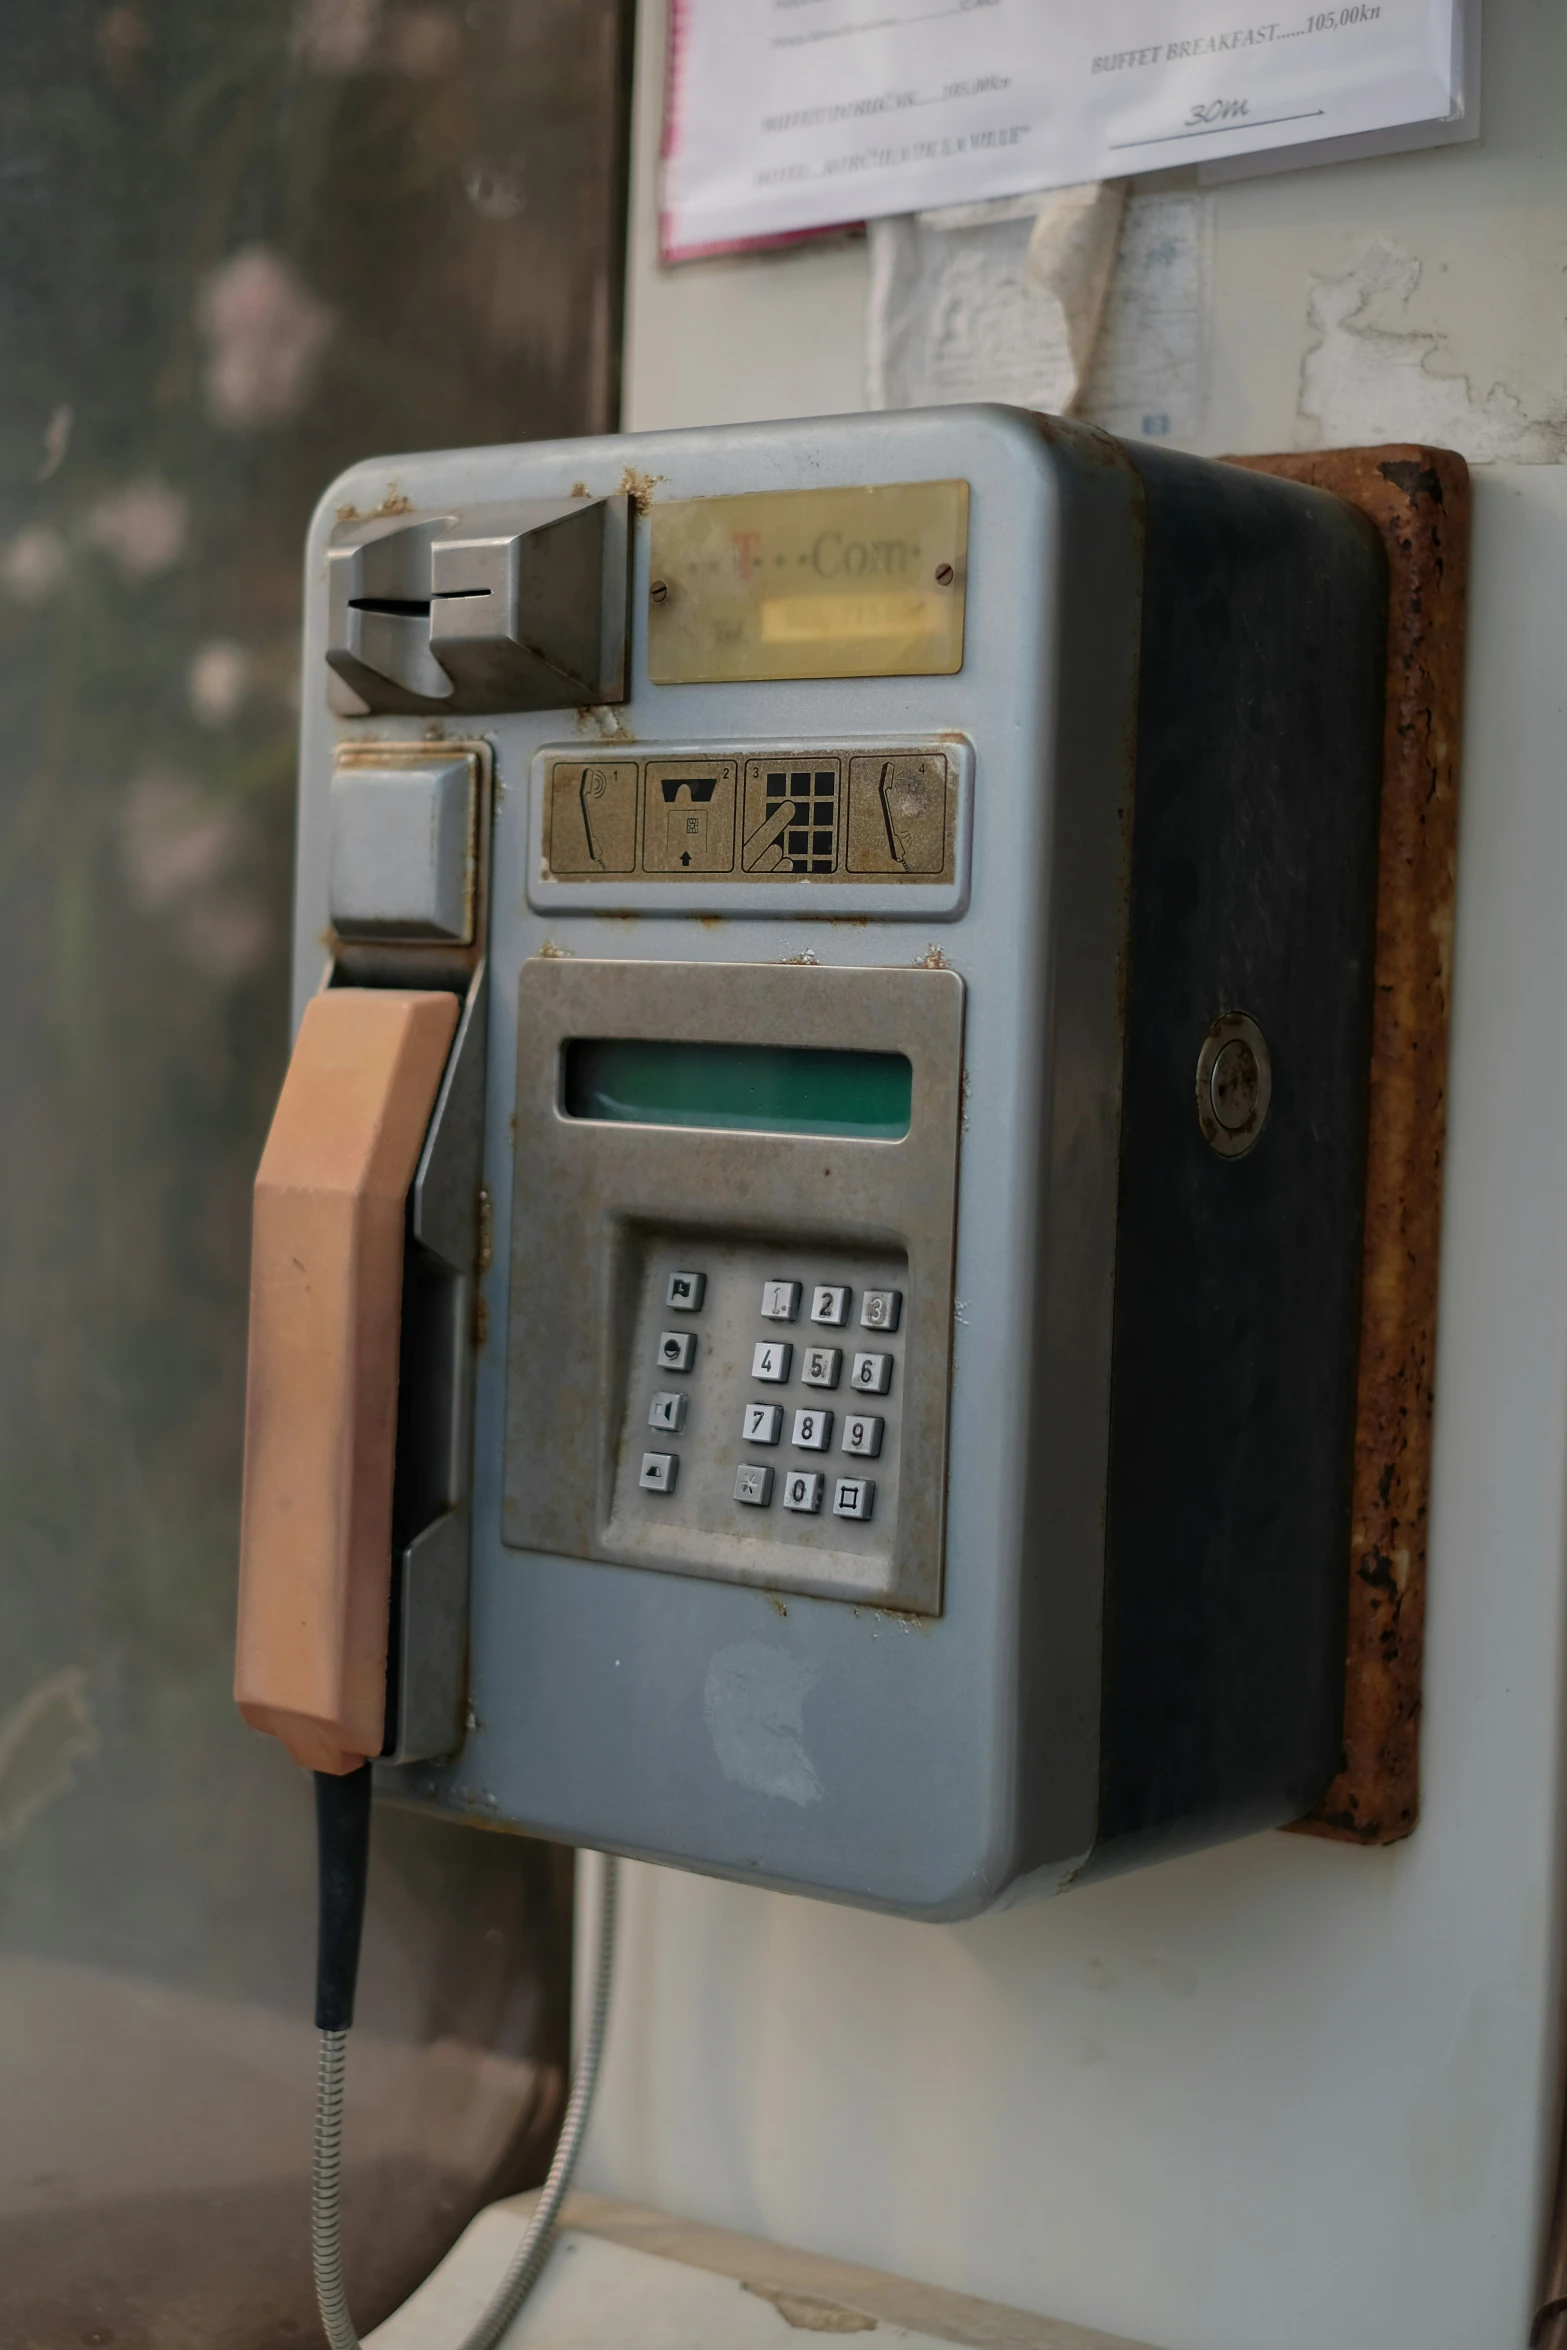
column 1368, row 375
column 995, row 301
column 1013, row 301
column 1148, row 380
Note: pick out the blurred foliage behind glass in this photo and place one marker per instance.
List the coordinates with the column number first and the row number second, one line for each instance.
column 242, row 243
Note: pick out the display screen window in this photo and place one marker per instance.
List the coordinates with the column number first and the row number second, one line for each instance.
column 756, row 1089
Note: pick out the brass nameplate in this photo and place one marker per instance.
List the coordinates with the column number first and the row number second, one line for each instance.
column 825, row 815
column 809, row 583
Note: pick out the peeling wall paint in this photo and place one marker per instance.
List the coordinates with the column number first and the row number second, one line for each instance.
column 1367, row 375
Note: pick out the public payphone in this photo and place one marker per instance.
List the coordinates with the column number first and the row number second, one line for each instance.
column 859, row 933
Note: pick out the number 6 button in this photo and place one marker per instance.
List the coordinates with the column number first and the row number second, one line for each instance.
column 872, row 1374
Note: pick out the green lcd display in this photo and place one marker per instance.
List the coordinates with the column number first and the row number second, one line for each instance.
column 756, row 1088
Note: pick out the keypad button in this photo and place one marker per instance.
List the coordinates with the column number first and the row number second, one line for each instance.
column 830, row 1306
column 862, row 1434
column 686, row 1292
column 812, row 1430
column 872, row 1374
column 763, row 1423
column 881, row 1309
column 853, row 1497
column 659, row 1471
column 676, row 1350
column 820, row 1365
column 668, row 1411
column 771, row 1360
column 780, row 1301
column 754, row 1484
column 802, row 1490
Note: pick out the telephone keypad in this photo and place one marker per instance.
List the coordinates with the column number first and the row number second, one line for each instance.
column 745, row 1387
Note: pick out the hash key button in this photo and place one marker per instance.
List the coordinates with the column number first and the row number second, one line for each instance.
column 872, row 1374
column 853, row 1497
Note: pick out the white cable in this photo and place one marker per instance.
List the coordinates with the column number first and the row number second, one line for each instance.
column 326, row 2216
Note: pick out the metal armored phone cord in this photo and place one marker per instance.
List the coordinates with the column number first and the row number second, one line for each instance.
column 343, row 1849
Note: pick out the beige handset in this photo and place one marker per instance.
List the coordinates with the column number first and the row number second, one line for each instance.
column 321, row 1407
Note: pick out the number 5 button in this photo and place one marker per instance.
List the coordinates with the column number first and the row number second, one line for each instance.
column 872, row 1374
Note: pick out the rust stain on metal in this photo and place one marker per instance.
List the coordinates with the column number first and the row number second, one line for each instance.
column 808, row 2313
column 602, row 724
column 639, row 487
column 1418, row 498
column 393, row 503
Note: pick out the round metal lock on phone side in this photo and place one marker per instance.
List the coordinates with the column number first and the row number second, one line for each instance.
column 1234, row 1085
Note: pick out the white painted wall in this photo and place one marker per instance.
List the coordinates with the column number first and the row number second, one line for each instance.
column 1285, row 2095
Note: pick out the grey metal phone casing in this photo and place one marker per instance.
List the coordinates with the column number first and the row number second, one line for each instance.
column 928, row 1763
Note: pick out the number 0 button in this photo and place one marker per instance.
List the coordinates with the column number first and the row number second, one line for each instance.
column 872, row 1374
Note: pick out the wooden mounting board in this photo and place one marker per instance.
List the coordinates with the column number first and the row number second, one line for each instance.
column 1418, row 498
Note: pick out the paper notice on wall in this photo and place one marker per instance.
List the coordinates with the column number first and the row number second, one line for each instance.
column 998, row 301
column 790, row 115
column 1009, row 301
